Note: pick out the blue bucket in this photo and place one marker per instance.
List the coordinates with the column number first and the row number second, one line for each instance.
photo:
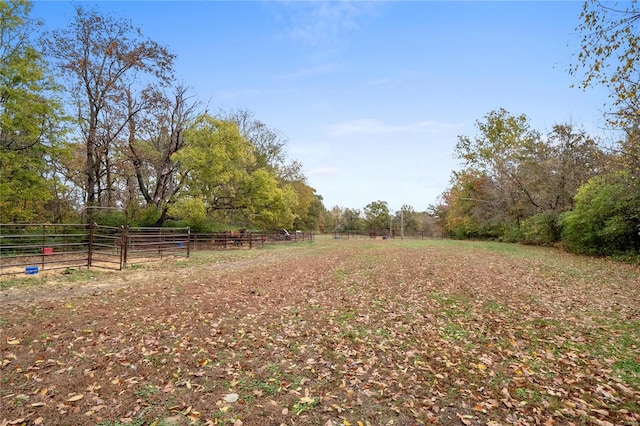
column 31, row 270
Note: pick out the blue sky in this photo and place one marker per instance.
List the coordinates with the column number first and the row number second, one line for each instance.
column 371, row 95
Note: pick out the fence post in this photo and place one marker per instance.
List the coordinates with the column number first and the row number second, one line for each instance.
column 43, row 244
column 90, row 248
column 188, row 241
column 124, row 244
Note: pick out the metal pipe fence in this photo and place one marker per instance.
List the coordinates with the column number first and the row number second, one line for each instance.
column 31, row 248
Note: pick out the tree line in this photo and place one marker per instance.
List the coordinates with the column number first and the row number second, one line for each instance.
column 376, row 218
column 92, row 122
column 564, row 187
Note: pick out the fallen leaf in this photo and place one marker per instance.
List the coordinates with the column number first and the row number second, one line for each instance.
column 307, row 400
column 464, row 419
column 75, row 398
column 231, row 397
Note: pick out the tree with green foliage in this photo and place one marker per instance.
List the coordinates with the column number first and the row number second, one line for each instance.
column 504, row 143
column 217, row 169
column 352, row 219
column 270, row 153
column 315, row 219
column 269, row 144
column 265, row 202
column 571, row 157
column 377, row 217
column 306, row 199
column 606, row 217
column 215, row 163
column 468, row 209
column 627, row 155
column 530, row 179
column 30, row 119
column 407, row 220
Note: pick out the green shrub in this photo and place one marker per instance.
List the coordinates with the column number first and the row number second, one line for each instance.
column 605, row 219
column 147, row 216
column 541, row 229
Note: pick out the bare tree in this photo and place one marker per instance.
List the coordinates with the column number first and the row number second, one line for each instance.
column 154, row 136
column 103, row 57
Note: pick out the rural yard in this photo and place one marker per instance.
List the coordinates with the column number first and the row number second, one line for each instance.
column 334, row 332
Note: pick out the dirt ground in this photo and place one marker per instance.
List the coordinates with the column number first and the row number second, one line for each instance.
column 356, row 332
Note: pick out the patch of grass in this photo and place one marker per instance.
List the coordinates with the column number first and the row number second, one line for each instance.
column 182, row 263
column 135, row 422
column 495, row 307
column 67, row 276
column 383, row 332
column 427, row 243
column 20, row 282
column 629, row 371
column 147, row 391
column 73, row 275
column 508, row 248
column 615, row 337
column 452, row 331
column 456, row 312
column 345, row 317
column 302, row 406
column 454, row 307
column 249, row 388
column 136, row 266
column 339, row 274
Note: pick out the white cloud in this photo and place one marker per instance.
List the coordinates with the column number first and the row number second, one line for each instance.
column 322, row 23
column 370, row 126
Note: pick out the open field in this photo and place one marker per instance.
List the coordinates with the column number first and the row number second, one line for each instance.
column 336, row 332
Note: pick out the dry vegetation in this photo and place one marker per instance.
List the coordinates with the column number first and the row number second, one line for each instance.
column 331, row 333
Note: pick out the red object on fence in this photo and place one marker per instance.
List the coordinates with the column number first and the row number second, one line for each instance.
column 47, row 250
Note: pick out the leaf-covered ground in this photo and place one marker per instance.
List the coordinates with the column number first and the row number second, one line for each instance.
column 337, row 332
